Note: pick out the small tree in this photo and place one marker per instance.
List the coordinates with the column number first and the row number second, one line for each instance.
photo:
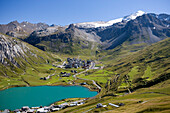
column 128, row 82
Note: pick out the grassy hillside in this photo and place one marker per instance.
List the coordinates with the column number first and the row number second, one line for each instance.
column 74, row 47
column 34, row 64
column 121, row 51
column 144, row 65
column 13, row 69
column 154, row 99
column 140, row 81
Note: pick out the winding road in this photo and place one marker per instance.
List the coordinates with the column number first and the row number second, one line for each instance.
column 91, row 67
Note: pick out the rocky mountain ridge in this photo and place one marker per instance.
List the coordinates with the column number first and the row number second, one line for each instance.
column 133, row 29
column 65, row 40
column 144, row 29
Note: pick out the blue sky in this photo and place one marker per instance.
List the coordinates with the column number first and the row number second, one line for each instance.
column 64, row 12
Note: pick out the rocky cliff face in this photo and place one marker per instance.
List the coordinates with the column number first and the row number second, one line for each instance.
column 16, row 53
column 10, row 49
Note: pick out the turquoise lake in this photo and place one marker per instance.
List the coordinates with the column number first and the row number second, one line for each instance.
column 15, row 98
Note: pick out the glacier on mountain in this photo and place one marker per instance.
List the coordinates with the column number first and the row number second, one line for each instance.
column 109, row 23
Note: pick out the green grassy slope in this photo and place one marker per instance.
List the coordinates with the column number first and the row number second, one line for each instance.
column 121, row 51
column 154, row 99
column 28, row 63
column 74, row 47
column 147, row 64
column 140, row 67
column 146, row 73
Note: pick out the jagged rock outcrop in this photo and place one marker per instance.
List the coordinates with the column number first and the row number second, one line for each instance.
column 11, row 49
column 14, row 52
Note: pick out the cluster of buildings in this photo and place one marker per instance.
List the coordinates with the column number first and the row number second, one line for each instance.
column 71, row 63
column 76, row 63
column 64, row 74
column 46, row 78
column 46, row 109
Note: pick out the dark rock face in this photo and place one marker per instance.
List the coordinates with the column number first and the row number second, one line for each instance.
column 62, row 39
column 56, row 41
column 148, row 29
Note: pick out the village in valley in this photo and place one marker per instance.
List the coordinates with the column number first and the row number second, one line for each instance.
column 72, row 63
column 74, row 67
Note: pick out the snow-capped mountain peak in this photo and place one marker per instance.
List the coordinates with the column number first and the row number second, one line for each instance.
column 109, row 23
column 133, row 16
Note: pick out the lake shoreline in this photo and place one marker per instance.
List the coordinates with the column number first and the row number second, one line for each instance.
column 59, row 84
column 64, row 98
column 56, row 84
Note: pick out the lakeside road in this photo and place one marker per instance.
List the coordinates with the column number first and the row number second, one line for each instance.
column 96, row 84
column 75, row 75
column 91, row 67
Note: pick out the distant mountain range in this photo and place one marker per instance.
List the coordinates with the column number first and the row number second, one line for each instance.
column 137, row 28
column 23, row 29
